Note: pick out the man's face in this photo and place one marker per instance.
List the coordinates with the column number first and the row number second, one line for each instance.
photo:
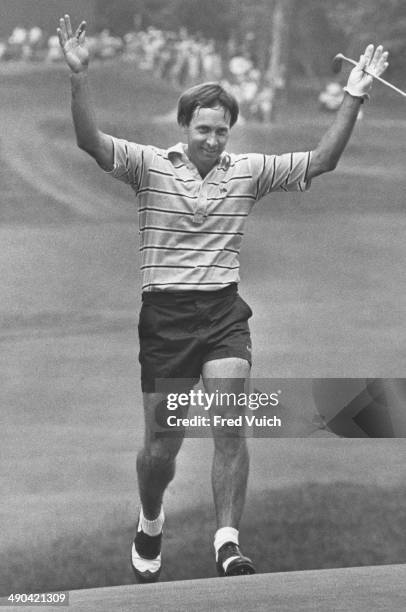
column 207, row 136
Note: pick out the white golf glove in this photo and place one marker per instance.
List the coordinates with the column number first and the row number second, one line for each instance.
column 359, row 81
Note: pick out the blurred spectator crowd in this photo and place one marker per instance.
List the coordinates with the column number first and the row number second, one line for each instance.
column 180, row 58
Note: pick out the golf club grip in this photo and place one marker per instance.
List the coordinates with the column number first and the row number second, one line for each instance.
column 374, row 76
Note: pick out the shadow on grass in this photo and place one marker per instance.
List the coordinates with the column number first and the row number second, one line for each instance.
column 298, row 528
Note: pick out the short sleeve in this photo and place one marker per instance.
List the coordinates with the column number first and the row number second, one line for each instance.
column 130, row 161
column 287, row 172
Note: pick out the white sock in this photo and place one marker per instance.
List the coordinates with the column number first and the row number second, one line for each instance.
column 154, row 527
column 223, row 535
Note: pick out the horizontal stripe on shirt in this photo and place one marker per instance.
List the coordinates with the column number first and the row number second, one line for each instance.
column 143, row 248
column 188, row 267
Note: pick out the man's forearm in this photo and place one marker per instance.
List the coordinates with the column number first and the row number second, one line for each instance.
column 84, row 119
column 326, row 155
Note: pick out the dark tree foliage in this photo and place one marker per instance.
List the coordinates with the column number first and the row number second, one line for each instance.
column 318, row 28
column 116, row 16
column 212, row 18
column 367, row 21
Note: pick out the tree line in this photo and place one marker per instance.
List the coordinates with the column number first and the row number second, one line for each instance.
column 312, row 30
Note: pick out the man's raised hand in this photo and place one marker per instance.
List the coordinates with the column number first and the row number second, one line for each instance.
column 374, row 61
column 74, row 46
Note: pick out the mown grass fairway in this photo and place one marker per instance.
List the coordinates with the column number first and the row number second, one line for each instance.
column 324, row 273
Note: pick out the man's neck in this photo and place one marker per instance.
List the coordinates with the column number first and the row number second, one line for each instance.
column 203, row 169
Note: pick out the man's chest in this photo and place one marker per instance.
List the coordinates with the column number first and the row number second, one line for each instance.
column 180, row 190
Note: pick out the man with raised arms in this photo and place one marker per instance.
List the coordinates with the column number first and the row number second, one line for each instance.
column 193, row 201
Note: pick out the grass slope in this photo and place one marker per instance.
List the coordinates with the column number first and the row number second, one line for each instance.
column 306, row 527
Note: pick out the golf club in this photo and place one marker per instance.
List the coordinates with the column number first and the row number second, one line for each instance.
column 337, row 63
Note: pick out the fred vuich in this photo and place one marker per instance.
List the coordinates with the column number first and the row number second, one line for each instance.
column 219, row 421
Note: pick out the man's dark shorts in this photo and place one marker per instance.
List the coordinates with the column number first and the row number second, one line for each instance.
column 180, row 331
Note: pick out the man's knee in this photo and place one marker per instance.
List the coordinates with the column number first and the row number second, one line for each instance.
column 228, row 429
column 231, row 443
column 159, row 451
column 157, row 430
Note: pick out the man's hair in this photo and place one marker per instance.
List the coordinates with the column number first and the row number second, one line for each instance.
column 207, row 95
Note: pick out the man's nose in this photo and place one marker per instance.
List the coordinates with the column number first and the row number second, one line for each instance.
column 212, row 140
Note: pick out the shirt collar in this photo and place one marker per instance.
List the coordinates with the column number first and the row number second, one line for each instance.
column 180, row 150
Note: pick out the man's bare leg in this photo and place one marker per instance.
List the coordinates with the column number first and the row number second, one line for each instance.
column 156, row 460
column 230, row 463
column 155, row 468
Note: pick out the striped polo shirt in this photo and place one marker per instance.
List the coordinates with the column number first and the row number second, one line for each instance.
column 191, row 228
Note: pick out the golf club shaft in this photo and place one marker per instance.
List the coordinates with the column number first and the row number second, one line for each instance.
column 374, row 76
